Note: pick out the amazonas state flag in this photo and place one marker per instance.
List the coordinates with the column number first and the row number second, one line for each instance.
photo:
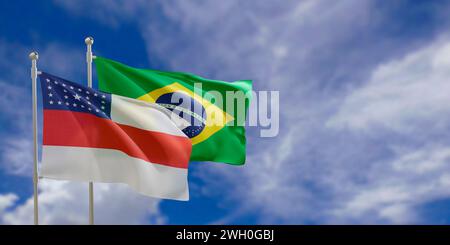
column 94, row 136
column 217, row 133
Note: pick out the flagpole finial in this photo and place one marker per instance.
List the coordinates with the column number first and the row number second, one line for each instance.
column 33, row 55
column 89, row 40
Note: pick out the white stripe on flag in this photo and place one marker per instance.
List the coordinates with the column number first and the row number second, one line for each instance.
column 144, row 115
column 112, row 166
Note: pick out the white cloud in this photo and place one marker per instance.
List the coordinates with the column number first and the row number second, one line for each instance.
column 402, row 94
column 63, row 60
column 397, row 188
column 311, row 172
column 16, row 156
column 15, row 56
column 12, row 95
column 62, row 202
column 408, row 98
column 6, row 201
column 108, row 12
column 316, row 53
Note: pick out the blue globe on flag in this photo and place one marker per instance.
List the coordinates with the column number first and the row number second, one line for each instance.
column 186, row 107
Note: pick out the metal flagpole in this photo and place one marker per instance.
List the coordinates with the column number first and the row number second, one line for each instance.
column 89, row 41
column 34, row 57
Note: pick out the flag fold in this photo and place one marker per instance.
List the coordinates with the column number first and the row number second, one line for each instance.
column 216, row 132
column 90, row 135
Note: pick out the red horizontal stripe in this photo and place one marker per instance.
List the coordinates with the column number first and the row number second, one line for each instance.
column 67, row 128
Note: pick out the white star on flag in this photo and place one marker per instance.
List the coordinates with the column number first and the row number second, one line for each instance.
column 77, row 97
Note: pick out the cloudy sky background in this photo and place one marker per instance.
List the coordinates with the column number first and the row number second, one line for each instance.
column 364, row 107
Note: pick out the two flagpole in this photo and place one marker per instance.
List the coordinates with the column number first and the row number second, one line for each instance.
column 89, row 41
column 34, row 72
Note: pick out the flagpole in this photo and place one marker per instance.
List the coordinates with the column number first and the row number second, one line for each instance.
column 34, row 57
column 89, row 41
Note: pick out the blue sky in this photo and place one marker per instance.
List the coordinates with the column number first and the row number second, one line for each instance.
column 364, row 112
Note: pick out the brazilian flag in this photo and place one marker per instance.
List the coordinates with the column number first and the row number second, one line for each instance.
column 211, row 141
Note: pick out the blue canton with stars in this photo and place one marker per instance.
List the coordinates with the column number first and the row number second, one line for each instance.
column 60, row 94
